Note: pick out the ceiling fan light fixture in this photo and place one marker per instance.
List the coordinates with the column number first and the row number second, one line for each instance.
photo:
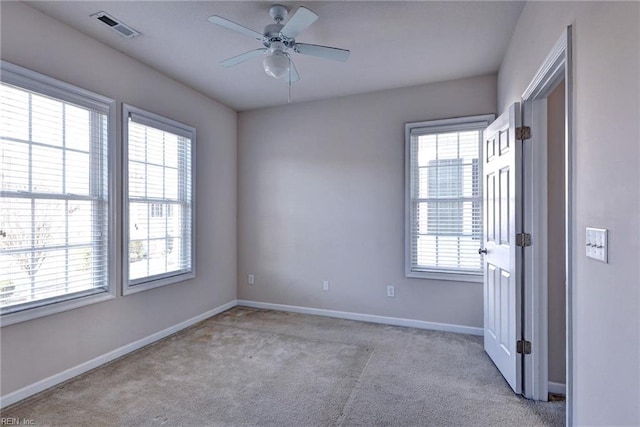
column 276, row 64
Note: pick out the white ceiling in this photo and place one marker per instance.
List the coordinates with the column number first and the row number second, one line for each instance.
column 393, row 43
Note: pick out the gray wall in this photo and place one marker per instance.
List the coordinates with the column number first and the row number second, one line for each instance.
column 556, row 235
column 37, row 349
column 321, row 197
column 606, row 317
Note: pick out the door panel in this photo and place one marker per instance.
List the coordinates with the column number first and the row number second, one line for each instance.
column 502, row 263
column 503, row 217
column 490, row 224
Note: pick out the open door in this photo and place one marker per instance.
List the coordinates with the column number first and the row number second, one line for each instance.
column 502, row 176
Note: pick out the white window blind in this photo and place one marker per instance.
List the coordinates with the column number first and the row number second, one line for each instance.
column 159, row 229
column 54, row 193
column 444, row 198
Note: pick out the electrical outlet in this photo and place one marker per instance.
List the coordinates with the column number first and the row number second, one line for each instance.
column 250, row 279
column 325, row 285
column 391, row 291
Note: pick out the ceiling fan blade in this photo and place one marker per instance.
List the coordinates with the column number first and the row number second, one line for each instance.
column 322, row 51
column 294, row 72
column 298, row 22
column 230, row 25
column 242, row 57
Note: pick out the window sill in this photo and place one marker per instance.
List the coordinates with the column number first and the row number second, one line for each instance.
column 128, row 289
column 455, row 277
column 57, row 307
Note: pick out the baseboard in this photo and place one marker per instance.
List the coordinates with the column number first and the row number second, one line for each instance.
column 56, row 379
column 395, row 321
column 557, row 388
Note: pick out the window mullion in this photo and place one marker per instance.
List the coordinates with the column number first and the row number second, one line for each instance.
column 164, row 205
column 32, row 258
column 146, row 195
column 437, row 222
column 66, row 202
column 181, row 162
column 32, row 203
column 460, row 188
column 181, row 150
column 93, row 186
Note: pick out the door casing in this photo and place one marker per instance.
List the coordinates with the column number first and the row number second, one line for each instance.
column 556, row 67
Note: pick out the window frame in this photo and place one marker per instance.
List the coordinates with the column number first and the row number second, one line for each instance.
column 48, row 86
column 458, row 124
column 169, row 125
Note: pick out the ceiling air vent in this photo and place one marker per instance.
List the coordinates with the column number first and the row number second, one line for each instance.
column 119, row 27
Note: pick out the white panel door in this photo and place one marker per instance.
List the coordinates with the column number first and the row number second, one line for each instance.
column 502, row 212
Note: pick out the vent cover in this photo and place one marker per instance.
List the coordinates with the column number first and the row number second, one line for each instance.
column 118, row 26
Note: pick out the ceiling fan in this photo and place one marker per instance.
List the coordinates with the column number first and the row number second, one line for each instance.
column 278, row 40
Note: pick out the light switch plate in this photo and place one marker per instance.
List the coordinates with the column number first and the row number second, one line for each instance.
column 596, row 244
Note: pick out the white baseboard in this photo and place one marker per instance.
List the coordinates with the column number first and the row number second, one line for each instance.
column 61, row 377
column 395, row 321
column 557, row 388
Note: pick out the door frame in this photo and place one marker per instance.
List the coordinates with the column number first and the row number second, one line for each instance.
column 557, row 66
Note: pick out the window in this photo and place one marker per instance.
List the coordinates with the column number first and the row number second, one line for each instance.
column 54, row 191
column 159, row 200
column 444, row 198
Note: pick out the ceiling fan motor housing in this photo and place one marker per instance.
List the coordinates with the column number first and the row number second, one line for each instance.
column 272, row 34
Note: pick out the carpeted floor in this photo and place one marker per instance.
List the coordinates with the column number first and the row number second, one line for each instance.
column 250, row 367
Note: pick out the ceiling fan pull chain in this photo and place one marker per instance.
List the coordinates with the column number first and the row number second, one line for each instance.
column 289, row 80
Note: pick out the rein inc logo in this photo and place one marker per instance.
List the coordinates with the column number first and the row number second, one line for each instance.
column 5, row 421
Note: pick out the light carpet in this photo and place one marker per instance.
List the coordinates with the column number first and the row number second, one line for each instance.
column 251, row 367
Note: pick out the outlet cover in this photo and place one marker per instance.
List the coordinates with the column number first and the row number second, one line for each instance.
column 325, row 285
column 391, row 291
column 251, row 279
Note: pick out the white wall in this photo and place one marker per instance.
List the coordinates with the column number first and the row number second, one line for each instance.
column 606, row 335
column 321, row 197
column 37, row 349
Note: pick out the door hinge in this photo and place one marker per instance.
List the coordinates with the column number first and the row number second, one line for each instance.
column 523, row 132
column 523, row 347
column 523, row 239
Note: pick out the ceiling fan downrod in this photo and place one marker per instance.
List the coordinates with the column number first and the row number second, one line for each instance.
column 278, row 12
